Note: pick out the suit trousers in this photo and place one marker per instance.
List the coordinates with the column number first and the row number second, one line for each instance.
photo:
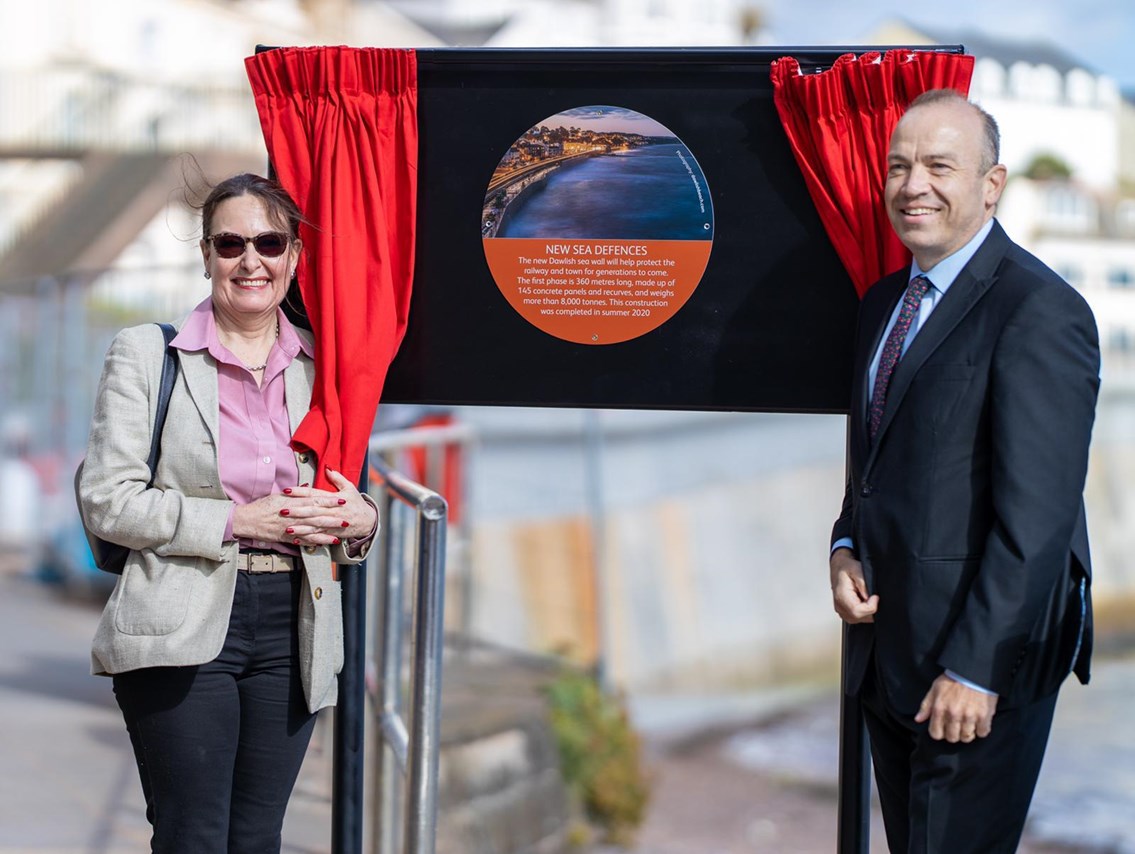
column 219, row 745
column 942, row 798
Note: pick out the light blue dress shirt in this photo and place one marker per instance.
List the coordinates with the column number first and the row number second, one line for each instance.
column 941, row 276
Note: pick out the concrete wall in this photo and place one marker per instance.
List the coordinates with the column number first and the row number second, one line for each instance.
column 688, row 549
column 712, row 570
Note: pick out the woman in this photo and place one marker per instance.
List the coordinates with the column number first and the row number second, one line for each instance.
column 224, row 632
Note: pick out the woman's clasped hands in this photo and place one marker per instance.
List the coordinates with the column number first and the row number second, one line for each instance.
column 306, row 516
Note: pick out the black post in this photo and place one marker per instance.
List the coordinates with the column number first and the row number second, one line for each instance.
column 853, row 827
column 348, row 755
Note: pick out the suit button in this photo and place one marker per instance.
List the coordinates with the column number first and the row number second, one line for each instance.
column 303, row 458
column 865, row 490
column 317, row 593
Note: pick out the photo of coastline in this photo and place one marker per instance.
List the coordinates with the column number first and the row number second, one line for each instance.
column 598, row 172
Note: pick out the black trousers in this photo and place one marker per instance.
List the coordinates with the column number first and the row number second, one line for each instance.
column 219, row 745
column 942, row 798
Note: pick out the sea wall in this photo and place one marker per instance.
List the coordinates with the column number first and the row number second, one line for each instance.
column 688, row 551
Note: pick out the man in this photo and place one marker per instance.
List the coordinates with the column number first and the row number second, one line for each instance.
column 960, row 559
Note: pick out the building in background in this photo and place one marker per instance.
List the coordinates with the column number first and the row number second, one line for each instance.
column 587, row 23
column 110, row 125
column 1046, row 101
column 1068, row 139
column 100, row 114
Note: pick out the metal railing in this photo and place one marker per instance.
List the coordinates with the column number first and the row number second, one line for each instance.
column 412, row 748
column 404, row 752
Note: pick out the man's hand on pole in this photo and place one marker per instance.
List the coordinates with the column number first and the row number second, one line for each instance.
column 849, row 589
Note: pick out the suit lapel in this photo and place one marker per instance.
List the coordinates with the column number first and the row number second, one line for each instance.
column 299, row 379
column 297, row 391
column 967, row 290
column 201, row 379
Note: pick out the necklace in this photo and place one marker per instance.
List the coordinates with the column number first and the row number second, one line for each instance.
column 262, row 367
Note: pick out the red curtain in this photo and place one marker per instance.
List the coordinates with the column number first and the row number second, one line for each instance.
column 341, row 126
column 839, row 124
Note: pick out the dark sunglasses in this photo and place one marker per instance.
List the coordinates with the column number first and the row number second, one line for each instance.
column 270, row 244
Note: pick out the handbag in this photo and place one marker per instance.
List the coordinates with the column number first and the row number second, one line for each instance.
column 111, row 557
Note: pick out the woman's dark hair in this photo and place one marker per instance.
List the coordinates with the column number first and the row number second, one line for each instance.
column 281, row 207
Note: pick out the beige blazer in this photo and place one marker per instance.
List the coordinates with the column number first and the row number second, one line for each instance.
column 171, row 605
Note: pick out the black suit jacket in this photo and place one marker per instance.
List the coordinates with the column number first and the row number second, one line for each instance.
column 967, row 509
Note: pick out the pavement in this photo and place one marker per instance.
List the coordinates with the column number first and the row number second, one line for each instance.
column 769, row 787
column 756, row 773
column 68, row 783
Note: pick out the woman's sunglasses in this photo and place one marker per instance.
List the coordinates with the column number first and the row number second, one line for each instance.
column 270, row 244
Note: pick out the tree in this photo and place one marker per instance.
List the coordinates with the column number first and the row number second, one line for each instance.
column 1048, row 167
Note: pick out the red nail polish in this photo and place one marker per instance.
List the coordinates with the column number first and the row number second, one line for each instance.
column 344, row 523
column 335, row 541
column 342, row 501
column 305, row 484
column 296, row 542
column 287, row 490
column 285, row 512
column 289, row 530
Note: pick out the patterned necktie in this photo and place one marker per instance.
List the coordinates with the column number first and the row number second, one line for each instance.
column 892, row 350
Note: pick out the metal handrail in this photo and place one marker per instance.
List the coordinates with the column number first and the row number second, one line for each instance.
column 410, row 748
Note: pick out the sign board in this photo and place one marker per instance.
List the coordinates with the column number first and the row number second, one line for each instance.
column 618, row 228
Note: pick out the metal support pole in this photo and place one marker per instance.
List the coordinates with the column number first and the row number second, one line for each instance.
column 593, row 478
column 73, row 405
column 348, row 753
column 854, row 819
column 45, row 355
column 390, row 756
column 425, row 725
column 413, row 749
column 853, row 827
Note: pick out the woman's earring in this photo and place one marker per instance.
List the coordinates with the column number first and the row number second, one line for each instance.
column 207, row 276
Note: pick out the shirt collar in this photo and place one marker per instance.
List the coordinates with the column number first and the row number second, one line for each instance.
column 199, row 332
column 291, row 342
column 942, row 274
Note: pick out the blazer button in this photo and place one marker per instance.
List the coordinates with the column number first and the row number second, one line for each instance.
column 317, row 593
column 303, row 458
column 309, row 549
column 866, row 490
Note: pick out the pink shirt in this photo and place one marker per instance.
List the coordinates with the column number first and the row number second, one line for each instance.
column 253, row 450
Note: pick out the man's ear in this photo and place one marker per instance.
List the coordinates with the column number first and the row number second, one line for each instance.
column 995, row 180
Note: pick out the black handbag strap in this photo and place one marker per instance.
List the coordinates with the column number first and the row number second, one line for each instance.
column 165, row 389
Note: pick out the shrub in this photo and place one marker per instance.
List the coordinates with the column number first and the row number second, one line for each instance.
column 600, row 754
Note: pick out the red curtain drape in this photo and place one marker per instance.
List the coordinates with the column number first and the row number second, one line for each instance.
column 839, row 123
column 341, row 128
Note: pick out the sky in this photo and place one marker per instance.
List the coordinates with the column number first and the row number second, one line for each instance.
column 1101, row 33
column 605, row 118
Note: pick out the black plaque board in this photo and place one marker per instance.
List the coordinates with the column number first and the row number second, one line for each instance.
column 769, row 327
